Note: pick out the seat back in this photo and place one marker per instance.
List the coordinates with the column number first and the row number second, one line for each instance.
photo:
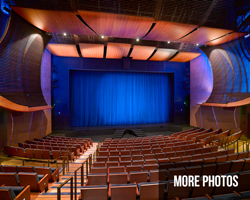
column 138, row 177
column 133, row 168
column 157, row 175
column 26, row 169
column 29, row 179
column 123, row 192
column 152, row 190
column 196, row 170
column 9, row 179
column 38, row 153
column 98, row 170
column 208, row 169
column 202, row 190
column 118, row 178
column 223, row 168
column 116, row 169
column 148, row 167
column 29, row 153
column 99, row 192
column 173, row 191
column 97, row 179
column 46, row 154
column 175, row 171
column 10, row 168
column 237, row 165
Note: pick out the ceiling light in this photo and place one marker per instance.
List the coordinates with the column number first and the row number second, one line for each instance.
column 197, row 44
column 168, row 42
column 137, row 40
column 102, row 36
column 64, row 34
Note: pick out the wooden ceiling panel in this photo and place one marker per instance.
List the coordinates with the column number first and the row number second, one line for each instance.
column 204, row 34
column 185, row 57
column 117, row 50
column 141, row 52
column 54, row 21
column 92, row 50
column 163, row 54
column 67, row 50
column 114, row 25
column 226, row 38
column 169, row 31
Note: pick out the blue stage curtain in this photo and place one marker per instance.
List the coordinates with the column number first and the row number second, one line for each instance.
column 117, row 98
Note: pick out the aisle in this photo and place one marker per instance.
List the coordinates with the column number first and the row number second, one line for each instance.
column 65, row 190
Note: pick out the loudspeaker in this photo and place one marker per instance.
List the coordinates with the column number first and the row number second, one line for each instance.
column 126, row 63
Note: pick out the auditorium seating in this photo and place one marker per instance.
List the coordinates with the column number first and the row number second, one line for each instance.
column 15, row 193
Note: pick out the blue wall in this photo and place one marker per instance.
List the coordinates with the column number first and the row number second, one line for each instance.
column 62, row 65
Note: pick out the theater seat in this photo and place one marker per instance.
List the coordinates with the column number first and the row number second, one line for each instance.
column 117, row 178
column 98, row 170
column 151, row 190
column 97, row 179
column 10, row 168
column 15, row 193
column 99, row 192
column 175, row 171
column 138, row 177
column 9, row 179
column 173, row 192
column 38, row 183
column 26, row 169
column 123, row 191
column 53, row 173
column 157, row 175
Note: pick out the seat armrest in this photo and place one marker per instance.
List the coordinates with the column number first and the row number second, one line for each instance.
column 55, row 175
column 24, row 194
column 43, row 183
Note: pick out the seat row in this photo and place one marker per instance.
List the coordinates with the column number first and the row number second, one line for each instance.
column 183, row 150
column 205, row 135
column 38, row 183
column 38, row 153
column 229, row 139
column 168, row 147
column 53, row 173
column 166, row 190
column 61, row 138
column 211, row 138
column 192, row 160
column 123, row 175
column 190, row 136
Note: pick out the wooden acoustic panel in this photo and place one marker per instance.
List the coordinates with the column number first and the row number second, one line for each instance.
column 7, row 104
column 54, row 21
column 227, row 38
column 117, row 50
column 67, row 50
column 141, row 52
column 163, row 54
column 117, row 25
column 239, row 103
column 92, row 50
column 203, row 35
column 169, row 31
column 184, row 57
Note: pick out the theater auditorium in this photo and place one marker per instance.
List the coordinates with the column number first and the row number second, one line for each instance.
column 124, row 99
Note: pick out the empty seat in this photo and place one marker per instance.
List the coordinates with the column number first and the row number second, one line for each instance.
column 173, row 192
column 149, row 156
column 157, row 175
column 146, row 151
column 169, row 154
column 38, row 183
column 198, row 151
column 197, row 162
column 38, row 153
column 103, row 153
column 10, row 168
column 159, row 155
column 181, row 164
column 150, row 161
column 26, row 169
column 166, row 165
column 114, row 158
column 231, row 157
column 209, row 169
column 223, row 168
column 125, row 157
column 167, row 149
column 209, row 160
column 151, row 190
column 138, row 162
column 116, row 169
column 221, row 159
column 215, row 154
column 195, row 170
column 189, row 152
column 20, row 152
column 246, row 166
column 213, row 148
column 137, row 177
column 9, row 179
column 98, row 170
column 184, row 147
column 53, row 173
column 206, row 155
column 125, row 163
column 130, row 168
column 237, row 165
column 114, row 153
column 223, row 152
column 206, row 150
column 135, row 152
column 179, row 153
column 97, row 179
column 16, row 193
column 118, row 178
column 125, row 152
column 186, row 158
column 148, row 167
column 242, row 155
column 175, row 159
column 196, row 156
column 99, row 192
column 56, row 154
column 29, row 153
column 156, row 150
column 112, row 163
column 46, row 154
column 175, row 171
column 202, row 190
column 101, row 158
column 137, row 157
column 123, row 191
column 99, row 164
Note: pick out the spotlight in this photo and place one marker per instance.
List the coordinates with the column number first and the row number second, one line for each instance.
column 102, row 36
column 137, row 40
column 197, row 44
column 64, row 34
column 168, row 42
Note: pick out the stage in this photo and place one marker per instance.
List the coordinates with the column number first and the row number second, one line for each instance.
column 109, row 131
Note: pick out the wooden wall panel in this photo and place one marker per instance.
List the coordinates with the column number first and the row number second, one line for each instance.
column 54, row 21
column 67, row 50
column 169, row 31
column 117, row 50
column 114, row 25
column 185, row 57
column 163, row 54
column 141, row 52
column 92, row 50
